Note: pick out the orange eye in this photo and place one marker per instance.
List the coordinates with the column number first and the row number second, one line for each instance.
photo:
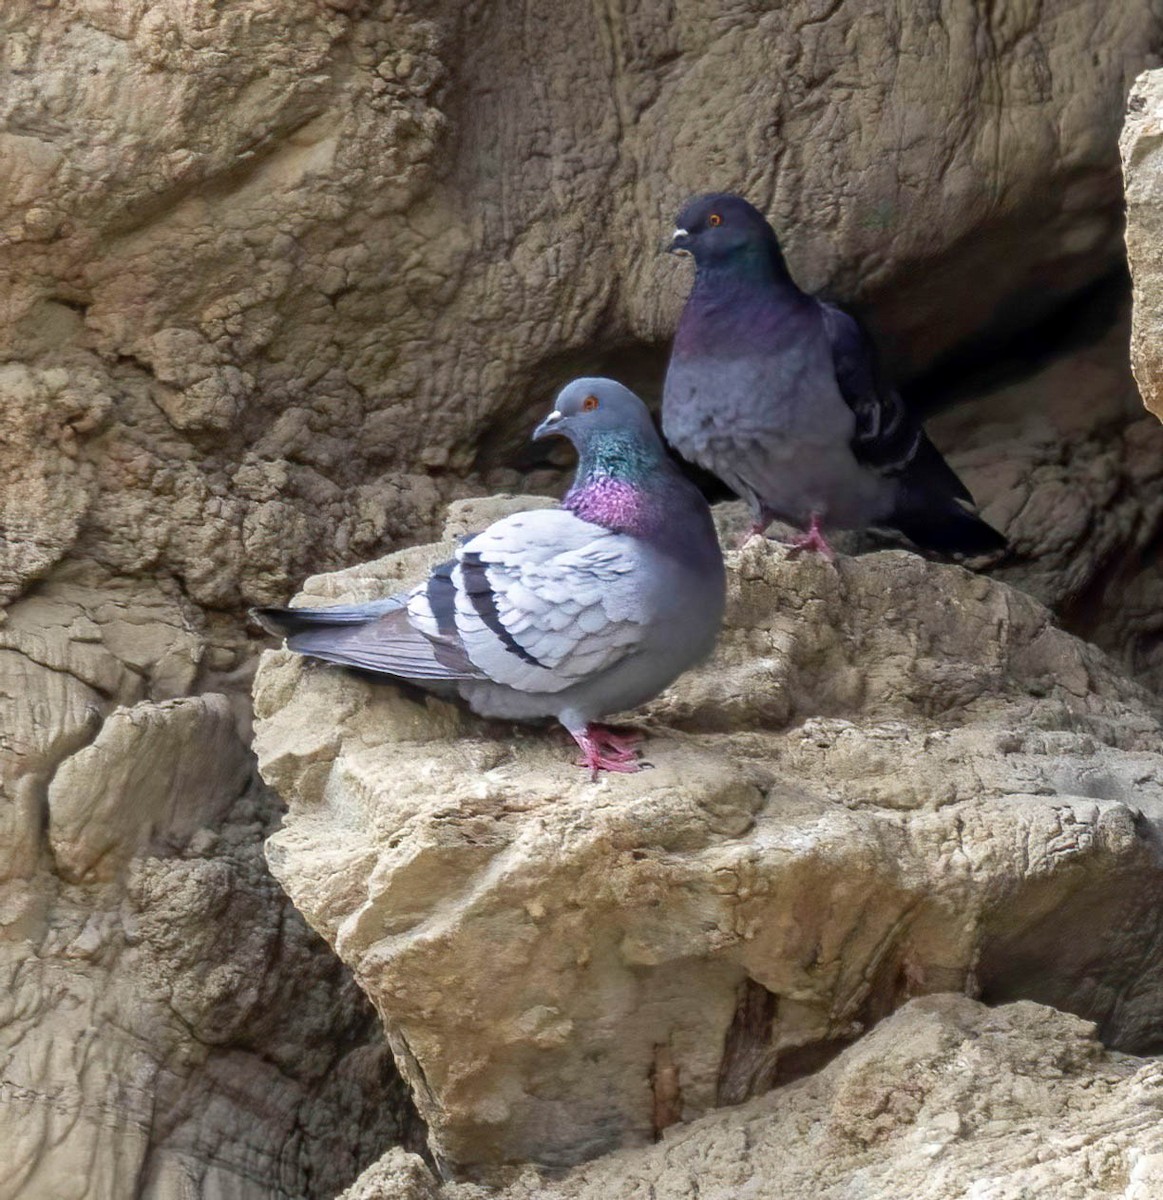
column 714, row 219
column 589, row 404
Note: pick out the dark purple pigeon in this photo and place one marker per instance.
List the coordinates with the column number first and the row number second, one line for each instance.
column 778, row 394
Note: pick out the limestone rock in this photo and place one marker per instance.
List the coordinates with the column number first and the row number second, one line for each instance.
column 1142, row 151
column 397, row 1176
column 944, row 1099
column 276, row 282
column 288, row 279
column 893, row 778
column 154, row 773
column 169, row 1026
column 48, row 487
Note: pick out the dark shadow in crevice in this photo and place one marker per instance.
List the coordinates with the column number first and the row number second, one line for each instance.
column 1022, row 340
column 1094, row 953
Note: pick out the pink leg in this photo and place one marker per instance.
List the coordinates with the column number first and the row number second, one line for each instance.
column 757, row 528
column 604, row 750
column 814, row 539
column 620, row 745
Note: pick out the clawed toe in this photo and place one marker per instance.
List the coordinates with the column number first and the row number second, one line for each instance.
column 814, row 539
column 601, row 762
column 605, row 750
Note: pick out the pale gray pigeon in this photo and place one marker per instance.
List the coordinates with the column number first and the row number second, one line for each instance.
column 574, row 613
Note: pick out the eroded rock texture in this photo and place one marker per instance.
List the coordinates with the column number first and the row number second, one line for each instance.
column 946, row 1098
column 1072, row 469
column 277, row 279
column 894, row 778
column 226, row 303
column 168, row 1024
column 1142, row 150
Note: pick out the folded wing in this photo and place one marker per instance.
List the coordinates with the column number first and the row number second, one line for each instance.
column 544, row 599
column 538, row 602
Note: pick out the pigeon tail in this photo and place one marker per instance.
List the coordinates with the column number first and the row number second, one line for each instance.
column 947, row 527
column 369, row 637
column 286, row 622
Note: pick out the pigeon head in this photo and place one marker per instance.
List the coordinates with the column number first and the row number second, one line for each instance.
column 610, row 427
column 725, row 233
column 591, row 409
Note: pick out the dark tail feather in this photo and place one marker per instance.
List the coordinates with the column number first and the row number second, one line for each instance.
column 945, row 526
column 287, row 622
column 370, row 637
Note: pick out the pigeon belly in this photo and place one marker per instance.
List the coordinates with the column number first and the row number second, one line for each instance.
column 775, row 428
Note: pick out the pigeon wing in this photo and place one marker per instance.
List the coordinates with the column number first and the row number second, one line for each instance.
column 886, row 438
column 544, row 600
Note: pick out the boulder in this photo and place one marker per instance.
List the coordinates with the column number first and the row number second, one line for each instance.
column 946, row 1098
column 1142, row 152
column 894, row 777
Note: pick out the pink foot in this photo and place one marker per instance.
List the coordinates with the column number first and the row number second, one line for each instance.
column 756, row 529
column 620, row 745
column 604, row 750
column 814, row 539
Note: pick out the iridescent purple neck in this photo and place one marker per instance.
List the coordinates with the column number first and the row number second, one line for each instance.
column 728, row 316
column 614, row 504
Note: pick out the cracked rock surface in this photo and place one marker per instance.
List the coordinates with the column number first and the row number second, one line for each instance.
column 226, row 303
column 944, row 1099
column 168, row 1024
column 278, row 280
column 1142, row 151
column 894, row 778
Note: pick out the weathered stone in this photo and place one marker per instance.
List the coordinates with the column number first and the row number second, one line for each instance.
column 1072, row 469
column 154, row 775
column 944, row 1099
column 169, row 1026
column 1142, row 150
column 321, row 267
column 277, row 281
column 894, row 777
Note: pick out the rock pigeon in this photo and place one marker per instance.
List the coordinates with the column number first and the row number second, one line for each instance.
column 778, row 394
column 574, row 612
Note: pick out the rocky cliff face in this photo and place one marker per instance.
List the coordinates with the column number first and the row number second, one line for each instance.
column 279, row 280
column 945, row 1098
column 1142, row 150
column 893, row 778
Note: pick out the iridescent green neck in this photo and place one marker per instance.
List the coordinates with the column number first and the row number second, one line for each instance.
column 617, row 454
column 758, row 262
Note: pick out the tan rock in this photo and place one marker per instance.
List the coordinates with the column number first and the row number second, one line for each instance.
column 397, row 1176
column 155, row 774
column 946, row 1099
column 168, row 1025
column 1142, row 151
column 276, row 282
column 895, row 777
column 48, row 486
column 1071, row 468
column 319, row 272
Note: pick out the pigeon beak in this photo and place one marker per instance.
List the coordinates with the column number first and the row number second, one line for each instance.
column 548, row 427
column 679, row 243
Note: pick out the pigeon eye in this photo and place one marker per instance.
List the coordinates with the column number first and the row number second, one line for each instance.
column 589, row 404
column 714, row 219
